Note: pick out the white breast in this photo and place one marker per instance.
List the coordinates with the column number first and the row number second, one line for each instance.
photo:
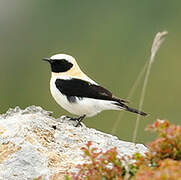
column 58, row 96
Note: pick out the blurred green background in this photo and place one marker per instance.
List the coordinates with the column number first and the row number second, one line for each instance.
column 111, row 41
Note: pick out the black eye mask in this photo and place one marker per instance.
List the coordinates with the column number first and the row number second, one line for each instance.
column 60, row 65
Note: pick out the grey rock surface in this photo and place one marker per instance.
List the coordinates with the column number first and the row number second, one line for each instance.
column 35, row 145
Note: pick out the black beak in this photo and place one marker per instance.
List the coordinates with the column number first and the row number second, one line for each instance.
column 47, row 59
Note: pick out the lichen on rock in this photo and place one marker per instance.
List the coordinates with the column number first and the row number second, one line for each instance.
column 34, row 144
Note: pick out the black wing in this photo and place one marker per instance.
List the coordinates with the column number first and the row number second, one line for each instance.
column 80, row 88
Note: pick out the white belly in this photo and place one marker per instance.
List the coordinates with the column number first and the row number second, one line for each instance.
column 84, row 106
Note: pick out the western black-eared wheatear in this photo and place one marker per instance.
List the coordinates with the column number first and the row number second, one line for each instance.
column 77, row 93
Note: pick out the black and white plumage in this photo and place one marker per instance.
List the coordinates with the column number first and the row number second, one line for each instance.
column 77, row 93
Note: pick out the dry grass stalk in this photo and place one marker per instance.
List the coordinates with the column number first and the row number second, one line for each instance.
column 130, row 95
column 158, row 40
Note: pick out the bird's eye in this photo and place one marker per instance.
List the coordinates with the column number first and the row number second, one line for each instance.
column 60, row 65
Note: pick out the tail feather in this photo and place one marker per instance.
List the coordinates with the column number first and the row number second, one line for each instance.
column 135, row 111
column 130, row 109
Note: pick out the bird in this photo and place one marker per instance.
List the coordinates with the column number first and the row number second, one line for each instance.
column 75, row 92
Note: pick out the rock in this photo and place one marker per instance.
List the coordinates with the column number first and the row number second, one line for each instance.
column 34, row 145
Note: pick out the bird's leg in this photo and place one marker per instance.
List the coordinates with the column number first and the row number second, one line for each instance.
column 72, row 118
column 79, row 119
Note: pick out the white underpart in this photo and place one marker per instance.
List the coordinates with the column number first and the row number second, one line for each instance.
column 84, row 106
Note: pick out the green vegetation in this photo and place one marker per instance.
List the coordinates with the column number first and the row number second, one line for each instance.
column 162, row 161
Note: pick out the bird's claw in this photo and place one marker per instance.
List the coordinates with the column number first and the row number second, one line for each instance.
column 78, row 120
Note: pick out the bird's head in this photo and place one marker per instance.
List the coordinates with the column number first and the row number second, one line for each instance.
column 61, row 63
column 65, row 65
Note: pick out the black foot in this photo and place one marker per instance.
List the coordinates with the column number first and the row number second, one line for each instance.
column 71, row 118
column 79, row 120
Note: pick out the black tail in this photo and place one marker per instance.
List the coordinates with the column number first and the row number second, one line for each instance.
column 135, row 111
column 120, row 103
